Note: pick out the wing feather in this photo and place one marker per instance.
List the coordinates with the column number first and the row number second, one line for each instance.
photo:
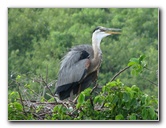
column 72, row 69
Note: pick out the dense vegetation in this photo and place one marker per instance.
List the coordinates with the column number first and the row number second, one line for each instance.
column 39, row 38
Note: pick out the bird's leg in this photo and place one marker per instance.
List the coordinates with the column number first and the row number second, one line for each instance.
column 79, row 90
column 71, row 95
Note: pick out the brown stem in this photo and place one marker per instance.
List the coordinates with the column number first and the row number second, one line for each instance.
column 117, row 74
column 48, row 88
column 94, row 88
column 21, row 98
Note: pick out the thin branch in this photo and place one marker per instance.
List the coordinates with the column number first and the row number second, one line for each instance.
column 36, row 102
column 38, row 116
column 47, row 86
column 91, row 101
column 94, row 88
column 117, row 74
column 32, row 91
column 47, row 74
column 150, row 81
column 21, row 98
column 75, row 100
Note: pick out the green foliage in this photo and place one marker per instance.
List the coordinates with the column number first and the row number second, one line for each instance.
column 15, row 108
column 119, row 102
column 138, row 64
column 115, row 101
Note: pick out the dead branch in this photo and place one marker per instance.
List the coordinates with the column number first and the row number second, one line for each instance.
column 21, row 98
column 149, row 81
column 93, row 88
column 117, row 74
column 47, row 86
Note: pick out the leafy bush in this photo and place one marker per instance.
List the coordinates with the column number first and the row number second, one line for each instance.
column 115, row 101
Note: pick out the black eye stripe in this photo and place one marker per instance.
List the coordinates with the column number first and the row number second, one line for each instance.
column 99, row 28
column 96, row 29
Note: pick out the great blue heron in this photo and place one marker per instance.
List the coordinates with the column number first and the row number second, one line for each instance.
column 81, row 64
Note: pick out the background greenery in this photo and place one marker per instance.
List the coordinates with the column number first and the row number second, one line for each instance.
column 39, row 38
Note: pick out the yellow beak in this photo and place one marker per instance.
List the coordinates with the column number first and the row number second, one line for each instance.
column 112, row 31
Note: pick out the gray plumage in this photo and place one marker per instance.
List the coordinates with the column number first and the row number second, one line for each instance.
column 72, row 69
column 80, row 66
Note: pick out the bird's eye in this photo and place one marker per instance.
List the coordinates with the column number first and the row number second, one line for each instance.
column 102, row 30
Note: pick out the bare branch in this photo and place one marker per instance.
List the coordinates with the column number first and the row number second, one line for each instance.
column 117, row 74
column 47, row 86
column 47, row 74
column 149, row 81
column 91, row 101
column 21, row 98
column 94, row 88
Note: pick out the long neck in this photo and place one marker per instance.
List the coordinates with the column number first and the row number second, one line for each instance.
column 96, row 46
column 96, row 60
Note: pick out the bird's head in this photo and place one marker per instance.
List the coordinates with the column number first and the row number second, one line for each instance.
column 100, row 32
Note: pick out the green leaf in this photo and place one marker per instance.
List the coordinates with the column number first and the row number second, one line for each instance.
column 96, row 99
column 131, row 63
column 103, row 88
column 134, row 72
column 126, row 97
column 119, row 117
column 81, row 98
column 87, row 91
column 132, row 116
column 57, row 108
column 135, row 88
column 141, row 58
column 27, row 85
column 115, row 99
column 152, row 113
column 134, row 60
column 18, row 78
column 18, row 106
column 78, row 105
column 144, row 113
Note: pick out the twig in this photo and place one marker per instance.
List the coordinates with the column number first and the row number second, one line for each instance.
column 150, row 81
column 47, row 74
column 47, row 86
column 21, row 98
column 93, row 88
column 75, row 100
column 91, row 101
column 119, row 73
column 48, row 89
column 32, row 91
column 38, row 116
column 33, row 101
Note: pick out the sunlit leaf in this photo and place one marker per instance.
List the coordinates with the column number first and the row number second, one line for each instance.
column 132, row 116
column 18, row 106
column 81, row 98
column 119, row 117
